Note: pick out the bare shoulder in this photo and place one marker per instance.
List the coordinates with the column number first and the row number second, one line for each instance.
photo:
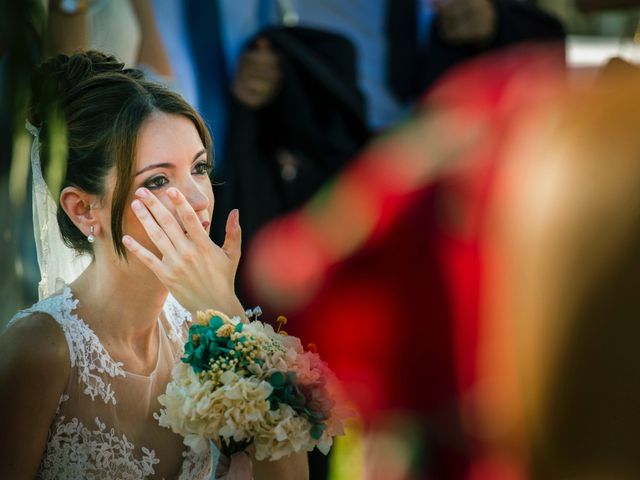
column 35, row 344
column 34, row 371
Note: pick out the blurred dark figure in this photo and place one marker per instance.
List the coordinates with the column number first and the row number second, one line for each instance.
column 310, row 123
column 462, row 29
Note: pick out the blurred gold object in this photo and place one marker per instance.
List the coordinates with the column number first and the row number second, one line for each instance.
column 282, row 321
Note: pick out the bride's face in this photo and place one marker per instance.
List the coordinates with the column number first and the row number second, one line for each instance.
column 170, row 153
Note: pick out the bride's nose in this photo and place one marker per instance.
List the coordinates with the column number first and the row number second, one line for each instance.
column 196, row 197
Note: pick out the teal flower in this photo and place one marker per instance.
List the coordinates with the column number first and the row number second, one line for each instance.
column 286, row 390
column 205, row 346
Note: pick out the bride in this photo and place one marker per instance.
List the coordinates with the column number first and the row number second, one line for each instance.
column 80, row 371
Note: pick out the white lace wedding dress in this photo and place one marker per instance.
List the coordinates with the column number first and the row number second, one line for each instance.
column 104, row 427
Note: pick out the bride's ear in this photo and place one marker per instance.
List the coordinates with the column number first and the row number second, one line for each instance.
column 77, row 205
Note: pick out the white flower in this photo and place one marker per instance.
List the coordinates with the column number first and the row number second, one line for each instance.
column 197, row 443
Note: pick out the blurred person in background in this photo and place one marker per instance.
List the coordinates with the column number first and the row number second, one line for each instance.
column 303, row 104
column 126, row 29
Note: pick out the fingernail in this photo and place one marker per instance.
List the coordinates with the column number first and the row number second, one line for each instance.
column 236, row 216
column 142, row 192
column 126, row 240
column 173, row 193
column 137, row 205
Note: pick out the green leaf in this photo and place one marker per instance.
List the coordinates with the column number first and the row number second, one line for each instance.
column 277, row 379
column 200, row 352
column 317, row 430
column 215, row 322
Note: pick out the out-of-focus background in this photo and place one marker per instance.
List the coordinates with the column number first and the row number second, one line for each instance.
column 439, row 194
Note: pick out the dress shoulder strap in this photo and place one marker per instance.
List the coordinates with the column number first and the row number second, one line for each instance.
column 85, row 350
column 59, row 307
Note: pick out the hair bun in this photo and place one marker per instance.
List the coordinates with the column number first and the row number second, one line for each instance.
column 56, row 77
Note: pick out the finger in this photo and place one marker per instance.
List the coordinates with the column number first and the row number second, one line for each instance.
column 233, row 237
column 188, row 216
column 152, row 262
column 164, row 218
column 156, row 234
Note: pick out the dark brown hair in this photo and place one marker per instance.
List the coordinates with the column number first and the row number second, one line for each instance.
column 103, row 105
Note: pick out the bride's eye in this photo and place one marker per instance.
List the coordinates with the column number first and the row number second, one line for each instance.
column 155, row 183
column 203, row 167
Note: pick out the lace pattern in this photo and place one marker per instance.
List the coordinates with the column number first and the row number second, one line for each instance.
column 85, row 349
column 178, row 318
column 195, row 465
column 72, row 447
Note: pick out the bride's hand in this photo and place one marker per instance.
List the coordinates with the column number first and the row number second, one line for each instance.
column 197, row 272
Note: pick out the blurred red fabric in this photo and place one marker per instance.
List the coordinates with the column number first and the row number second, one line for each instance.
column 399, row 321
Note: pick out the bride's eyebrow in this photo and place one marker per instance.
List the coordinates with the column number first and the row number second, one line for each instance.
column 166, row 164
column 195, row 157
column 155, row 165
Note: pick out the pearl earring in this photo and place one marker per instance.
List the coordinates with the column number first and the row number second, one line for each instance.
column 91, row 238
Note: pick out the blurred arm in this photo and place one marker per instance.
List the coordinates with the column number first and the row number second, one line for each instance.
column 68, row 32
column 152, row 52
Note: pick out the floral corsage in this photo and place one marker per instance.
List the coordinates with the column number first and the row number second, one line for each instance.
column 242, row 384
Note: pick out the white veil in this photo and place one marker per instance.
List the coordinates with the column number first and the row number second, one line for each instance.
column 59, row 264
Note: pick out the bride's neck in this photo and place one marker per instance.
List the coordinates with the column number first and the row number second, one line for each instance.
column 118, row 303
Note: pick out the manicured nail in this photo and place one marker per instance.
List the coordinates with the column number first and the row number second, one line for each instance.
column 142, row 192
column 236, row 217
column 137, row 205
column 173, row 193
column 127, row 241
